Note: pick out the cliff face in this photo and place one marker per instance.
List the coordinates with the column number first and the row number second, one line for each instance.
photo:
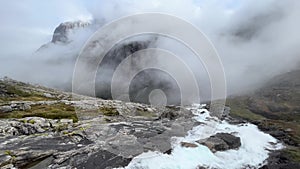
column 61, row 33
column 66, row 36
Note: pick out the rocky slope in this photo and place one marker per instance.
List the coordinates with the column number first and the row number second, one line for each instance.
column 46, row 128
column 275, row 109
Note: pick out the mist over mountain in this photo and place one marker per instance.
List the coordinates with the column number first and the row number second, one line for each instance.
column 255, row 40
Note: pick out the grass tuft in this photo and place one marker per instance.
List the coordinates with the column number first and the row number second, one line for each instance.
column 55, row 111
column 109, row 111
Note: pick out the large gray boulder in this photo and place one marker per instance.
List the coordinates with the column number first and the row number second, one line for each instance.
column 5, row 109
column 221, row 142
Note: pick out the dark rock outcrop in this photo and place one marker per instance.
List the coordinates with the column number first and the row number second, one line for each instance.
column 280, row 160
column 188, row 145
column 221, row 142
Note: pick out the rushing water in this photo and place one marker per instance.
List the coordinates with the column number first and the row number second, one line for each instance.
column 252, row 153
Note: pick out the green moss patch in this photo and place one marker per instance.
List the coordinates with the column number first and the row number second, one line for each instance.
column 17, row 92
column 293, row 153
column 55, row 111
column 285, row 120
column 109, row 111
column 239, row 109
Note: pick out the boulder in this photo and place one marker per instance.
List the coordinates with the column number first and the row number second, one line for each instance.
column 23, row 158
column 232, row 141
column 5, row 109
column 48, row 95
column 171, row 115
column 214, row 144
column 226, row 112
column 20, row 128
column 221, row 142
column 188, row 145
column 24, row 107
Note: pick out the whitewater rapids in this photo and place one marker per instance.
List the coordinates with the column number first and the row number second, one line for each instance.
column 254, row 150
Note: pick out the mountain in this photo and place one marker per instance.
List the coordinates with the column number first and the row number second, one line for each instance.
column 66, row 33
column 68, row 39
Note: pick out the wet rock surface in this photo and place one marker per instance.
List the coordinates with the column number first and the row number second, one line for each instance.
column 221, row 142
column 279, row 160
column 188, row 145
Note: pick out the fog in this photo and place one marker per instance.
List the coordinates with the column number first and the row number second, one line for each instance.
column 256, row 40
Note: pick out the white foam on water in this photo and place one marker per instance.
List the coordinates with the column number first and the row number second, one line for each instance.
column 254, row 150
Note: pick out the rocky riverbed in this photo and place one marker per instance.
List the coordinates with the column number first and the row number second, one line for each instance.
column 35, row 142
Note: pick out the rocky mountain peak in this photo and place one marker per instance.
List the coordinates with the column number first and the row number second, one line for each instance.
column 62, row 31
